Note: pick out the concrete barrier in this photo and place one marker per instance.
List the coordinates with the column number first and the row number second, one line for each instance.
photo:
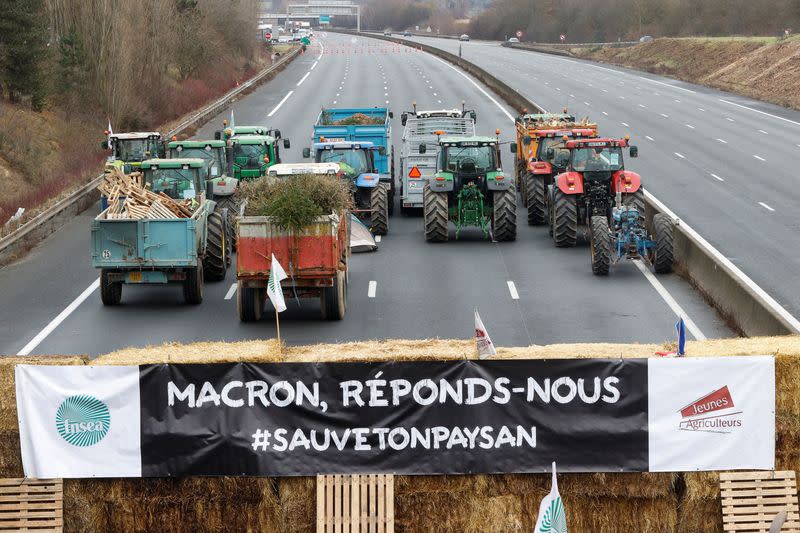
column 739, row 300
column 17, row 243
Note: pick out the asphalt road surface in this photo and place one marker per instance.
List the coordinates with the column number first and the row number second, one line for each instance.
column 528, row 292
column 725, row 164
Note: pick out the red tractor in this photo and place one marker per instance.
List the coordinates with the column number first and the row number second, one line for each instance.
column 547, row 163
column 595, row 172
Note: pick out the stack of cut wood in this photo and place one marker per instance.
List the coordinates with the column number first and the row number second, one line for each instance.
column 128, row 198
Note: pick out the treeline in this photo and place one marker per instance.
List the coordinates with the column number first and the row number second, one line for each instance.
column 612, row 20
column 394, row 14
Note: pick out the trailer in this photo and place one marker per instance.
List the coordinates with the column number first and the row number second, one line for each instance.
column 425, row 127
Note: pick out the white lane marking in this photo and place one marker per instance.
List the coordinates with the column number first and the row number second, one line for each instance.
column 717, row 177
column 701, row 109
column 606, row 114
column 642, row 105
column 373, row 287
column 481, row 89
column 765, row 206
column 668, row 85
column 434, row 94
column 557, row 89
column 622, row 98
column 664, row 115
column 605, row 90
column 677, row 101
column 377, row 238
column 334, row 101
column 723, row 141
column 513, row 290
column 759, row 111
column 759, row 157
column 791, row 321
column 322, row 51
column 764, row 132
column 690, row 126
column 587, row 103
column 231, row 291
column 680, row 155
column 438, row 101
column 314, row 65
column 625, row 124
column 572, row 96
column 670, row 301
column 729, row 119
column 275, row 110
column 649, row 138
column 48, row 329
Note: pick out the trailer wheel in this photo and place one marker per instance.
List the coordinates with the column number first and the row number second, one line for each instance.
column 110, row 292
column 193, row 285
column 601, row 245
column 535, row 200
column 565, row 219
column 233, row 205
column 379, row 204
column 663, row 226
column 249, row 303
column 333, row 300
column 636, row 200
column 217, row 256
column 504, row 215
column 435, row 215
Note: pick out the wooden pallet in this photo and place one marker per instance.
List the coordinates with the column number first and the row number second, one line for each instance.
column 750, row 500
column 31, row 505
column 355, row 503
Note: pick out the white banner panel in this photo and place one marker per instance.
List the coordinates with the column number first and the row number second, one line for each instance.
column 714, row 413
column 79, row 421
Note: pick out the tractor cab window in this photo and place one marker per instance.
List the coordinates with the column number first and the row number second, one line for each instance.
column 597, row 159
column 134, row 149
column 177, row 183
column 550, row 142
column 470, row 159
column 351, row 162
column 249, row 155
column 214, row 155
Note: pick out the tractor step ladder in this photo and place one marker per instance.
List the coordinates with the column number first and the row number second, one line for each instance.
column 360, row 503
column 750, row 500
column 31, row 505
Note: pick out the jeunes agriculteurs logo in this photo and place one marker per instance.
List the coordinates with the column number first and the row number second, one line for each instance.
column 82, row 420
column 712, row 413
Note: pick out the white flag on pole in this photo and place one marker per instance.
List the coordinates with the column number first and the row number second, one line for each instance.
column 110, row 131
column 551, row 517
column 485, row 346
column 274, row 291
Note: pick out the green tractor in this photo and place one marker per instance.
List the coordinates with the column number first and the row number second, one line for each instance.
column 224, row 186
column 252, row 155
column 469, row 188
column 128, row 150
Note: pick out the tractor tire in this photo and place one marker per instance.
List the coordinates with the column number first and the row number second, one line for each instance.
column 522, row 179
column 662, row 227
column 392, row 190
column 333, row 300
column 217, row 256
column 233, row 205
column 504, row 215
column 435, row 215
column 379, row 204
column 537, row 211
column 565, row 219
column 601, row 246
column 636, row 200
column 110, row 292
column 550, row 210
column 249, row 303
column 193, row 285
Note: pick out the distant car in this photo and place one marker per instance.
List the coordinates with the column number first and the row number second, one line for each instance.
column 513, row 40
column 284, row 39
column 387, row 33
column 406, row 33
column 464, row 37
column 645, row 38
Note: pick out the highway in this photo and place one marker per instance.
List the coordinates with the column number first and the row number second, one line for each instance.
column 528, row 292
column 725, row 164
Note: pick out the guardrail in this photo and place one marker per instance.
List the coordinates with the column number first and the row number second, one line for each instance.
column 13, row 245
column 745, row 305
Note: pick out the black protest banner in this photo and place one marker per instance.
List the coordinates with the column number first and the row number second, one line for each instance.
column 427, row 417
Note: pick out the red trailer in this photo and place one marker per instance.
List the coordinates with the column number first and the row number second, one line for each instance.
column 316, row 261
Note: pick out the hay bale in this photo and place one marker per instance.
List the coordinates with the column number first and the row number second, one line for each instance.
column 298, row 501
column 10, row 457
column 699, row 515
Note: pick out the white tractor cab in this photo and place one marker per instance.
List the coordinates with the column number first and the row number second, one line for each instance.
column 128, row 150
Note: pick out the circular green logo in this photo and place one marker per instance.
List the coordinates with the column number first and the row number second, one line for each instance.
column 83, row 420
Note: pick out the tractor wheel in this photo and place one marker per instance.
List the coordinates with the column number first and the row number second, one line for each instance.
column 522, row 179
column 110, row 292
column 379, row 204
column 193, row 285
column 504, row 215
column 601, row 246
column 435, row 215
column 565, row 219
column 249, row 303
column 233, row 205
column 662, row 227
column 636, row 200
column 392, row 190
column 535, row 200
column 217, row 256
column 549, row 206
column 333, row 300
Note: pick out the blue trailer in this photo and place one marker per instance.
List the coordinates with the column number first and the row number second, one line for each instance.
column 359, row 140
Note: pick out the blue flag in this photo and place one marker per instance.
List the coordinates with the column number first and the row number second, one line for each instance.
column 680, row 327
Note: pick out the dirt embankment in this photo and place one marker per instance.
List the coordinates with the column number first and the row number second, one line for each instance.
column 758, row 67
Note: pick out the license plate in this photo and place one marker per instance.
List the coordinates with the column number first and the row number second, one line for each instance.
column 135, row 277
